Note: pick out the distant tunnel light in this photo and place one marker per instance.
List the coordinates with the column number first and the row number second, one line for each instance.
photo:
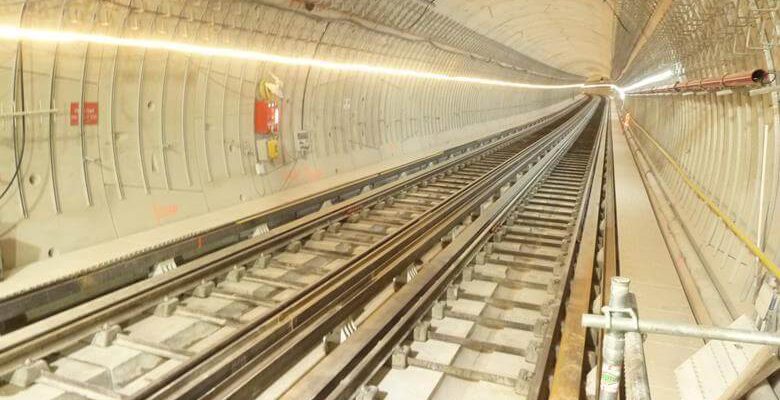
column 16, row 33
column 646, row 81
column 639, row 84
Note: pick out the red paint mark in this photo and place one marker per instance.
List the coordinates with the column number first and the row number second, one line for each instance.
column 164, row 211
column 74, row 114
column 200, row 241
column 305, row 173
column 90, row 114
column 314, row 174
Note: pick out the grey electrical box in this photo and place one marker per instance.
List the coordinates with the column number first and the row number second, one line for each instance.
column 302, row 143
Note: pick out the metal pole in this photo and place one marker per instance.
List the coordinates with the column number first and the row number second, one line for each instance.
column 614, row 343
column 637, row 385
column 635, row 368
column 676, row 329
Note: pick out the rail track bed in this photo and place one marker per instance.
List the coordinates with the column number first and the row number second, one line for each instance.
column 484, row 337
column 258, row 318
column 482, row 319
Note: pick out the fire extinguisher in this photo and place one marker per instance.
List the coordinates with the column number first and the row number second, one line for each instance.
column 268, row 114
column 267, row 109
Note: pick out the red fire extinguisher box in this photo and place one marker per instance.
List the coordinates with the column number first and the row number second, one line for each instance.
column 266, row 117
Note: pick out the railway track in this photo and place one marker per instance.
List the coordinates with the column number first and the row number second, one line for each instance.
column 482, row 322
column 222, row 313
column 34, row 303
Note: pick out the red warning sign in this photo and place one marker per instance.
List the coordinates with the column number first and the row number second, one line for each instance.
column 266, row 117
column 74, row 114
column 90, row 113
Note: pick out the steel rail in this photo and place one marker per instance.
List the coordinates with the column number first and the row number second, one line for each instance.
column 354, row 362
column 570, row 365
column 17, row 309
column 260, row 353
column 58, row 332
column 37, row 340
column 259, row 377
column 539, row 386
column 611, row 263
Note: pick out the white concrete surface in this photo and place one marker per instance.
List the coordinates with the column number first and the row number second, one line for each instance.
column 645, row 259
column 61, row 266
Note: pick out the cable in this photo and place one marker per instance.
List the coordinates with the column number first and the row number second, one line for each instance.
column 615, row 13
column 24, row 139
column 422, row 14
column 16, row 173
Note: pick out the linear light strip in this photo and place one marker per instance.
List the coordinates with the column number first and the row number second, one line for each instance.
column 37, row 35
column 622, row 91
column 659, row 77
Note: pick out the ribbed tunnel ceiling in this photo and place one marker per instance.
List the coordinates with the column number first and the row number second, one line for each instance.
column 575, row 36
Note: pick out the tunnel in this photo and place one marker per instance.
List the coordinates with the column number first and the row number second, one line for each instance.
column 389, row 199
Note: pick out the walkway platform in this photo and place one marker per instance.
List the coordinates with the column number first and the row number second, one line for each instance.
column 645, row 259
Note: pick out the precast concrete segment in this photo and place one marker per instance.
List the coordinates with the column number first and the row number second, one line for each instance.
column 180, row 115
column 133, row 351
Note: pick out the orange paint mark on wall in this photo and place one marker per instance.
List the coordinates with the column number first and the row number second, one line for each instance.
column 312, row 174
column 161, row 212
column 305, row 173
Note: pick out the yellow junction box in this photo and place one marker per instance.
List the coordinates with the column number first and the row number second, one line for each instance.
column 273, row 149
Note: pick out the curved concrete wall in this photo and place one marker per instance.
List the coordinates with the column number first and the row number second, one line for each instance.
column 174, row 134
column 719, row 143
column 717, row 139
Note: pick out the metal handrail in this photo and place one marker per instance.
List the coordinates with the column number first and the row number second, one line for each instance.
column 650, row 326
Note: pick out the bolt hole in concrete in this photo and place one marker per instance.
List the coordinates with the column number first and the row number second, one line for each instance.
column 34, row 179
column 242, row 197
column 150, row 105
column 52, row 252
